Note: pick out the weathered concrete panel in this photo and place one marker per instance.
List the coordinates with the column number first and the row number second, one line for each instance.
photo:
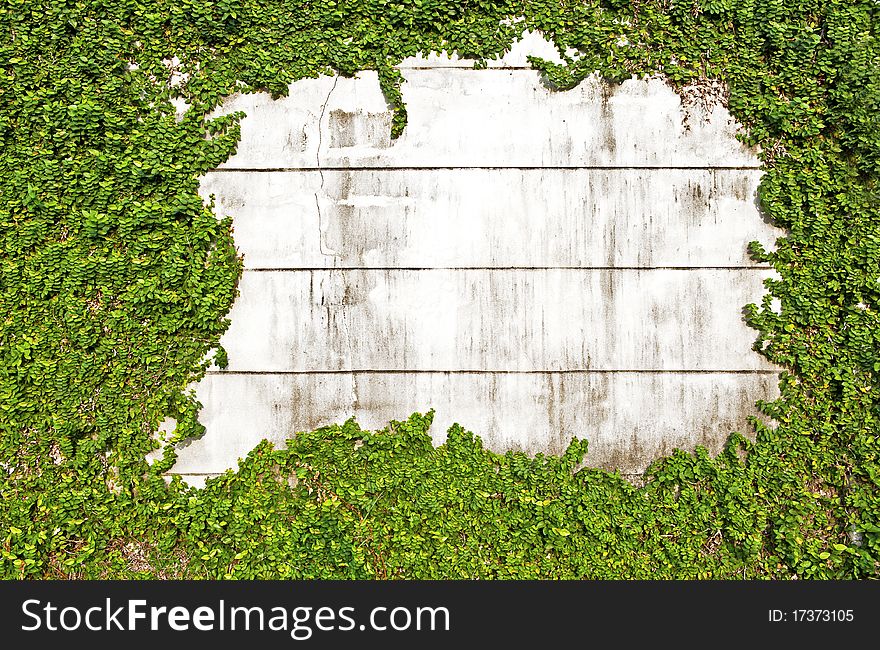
column 492, row 217
column 630, row 419
column 533, row 264
column 483, row 118
column 500, row 319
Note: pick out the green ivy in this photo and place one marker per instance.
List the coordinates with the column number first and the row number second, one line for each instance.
column 115, row 281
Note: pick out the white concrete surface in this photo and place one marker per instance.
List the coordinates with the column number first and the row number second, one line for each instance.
column 482, row 118
column 498, row 319
column 532, row 264
column 627, row 417
column 551, row 217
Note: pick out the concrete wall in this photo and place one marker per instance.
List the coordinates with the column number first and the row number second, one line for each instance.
column 535, row 265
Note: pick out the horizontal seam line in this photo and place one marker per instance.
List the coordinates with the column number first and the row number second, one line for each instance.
column 485, row 167
column 194, row 473
column 294, row 269
column 490, row 372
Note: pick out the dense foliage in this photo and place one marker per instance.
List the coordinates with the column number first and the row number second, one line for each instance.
column 115, row 279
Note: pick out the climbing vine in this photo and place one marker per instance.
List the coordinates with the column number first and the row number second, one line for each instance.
column 115, row 280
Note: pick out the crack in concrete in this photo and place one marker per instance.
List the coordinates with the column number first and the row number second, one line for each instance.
column 324, row 251
column 339, row 316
